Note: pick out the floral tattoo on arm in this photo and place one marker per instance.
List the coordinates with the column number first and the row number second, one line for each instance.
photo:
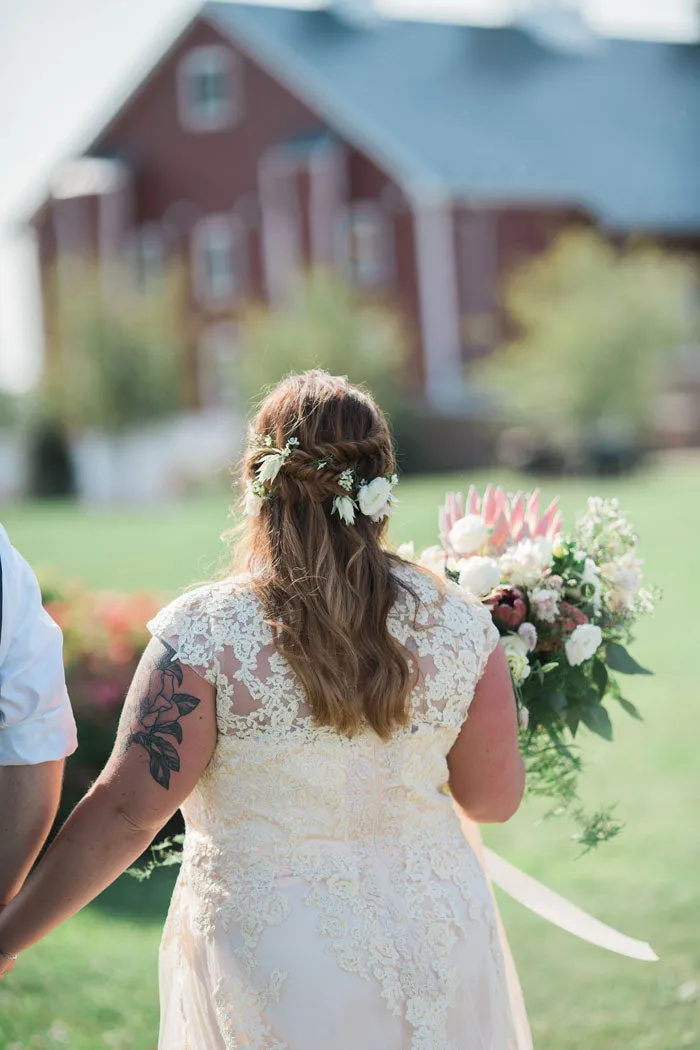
column 155, row 712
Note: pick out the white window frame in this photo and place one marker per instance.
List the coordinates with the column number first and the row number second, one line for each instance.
column 228, row 229
column 215, row 338
column 205, row 59
column 381, row 271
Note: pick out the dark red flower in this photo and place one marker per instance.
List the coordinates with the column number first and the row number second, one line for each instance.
column 508, row 606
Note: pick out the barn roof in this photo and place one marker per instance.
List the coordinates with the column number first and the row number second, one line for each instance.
column 491, row 114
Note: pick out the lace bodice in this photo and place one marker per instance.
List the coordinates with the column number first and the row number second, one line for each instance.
column 364, row 825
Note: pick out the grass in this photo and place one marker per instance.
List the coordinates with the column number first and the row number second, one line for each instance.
column 93, row 983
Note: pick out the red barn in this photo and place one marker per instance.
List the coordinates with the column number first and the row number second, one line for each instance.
column 421, row 159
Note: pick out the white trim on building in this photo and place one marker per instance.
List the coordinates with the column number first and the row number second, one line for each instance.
column 439, row 304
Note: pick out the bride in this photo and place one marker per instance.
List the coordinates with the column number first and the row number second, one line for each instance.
column 308, row 713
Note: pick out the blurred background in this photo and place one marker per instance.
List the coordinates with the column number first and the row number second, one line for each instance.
column 486, row 210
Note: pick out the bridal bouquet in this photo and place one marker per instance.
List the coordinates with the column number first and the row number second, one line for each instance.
column 565, row 605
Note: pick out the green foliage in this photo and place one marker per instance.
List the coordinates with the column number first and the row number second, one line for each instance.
column 598, row 327
column 118, row 352
column 9, row 409
column 326, row 325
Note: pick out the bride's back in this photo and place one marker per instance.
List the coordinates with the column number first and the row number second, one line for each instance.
column 277, row 776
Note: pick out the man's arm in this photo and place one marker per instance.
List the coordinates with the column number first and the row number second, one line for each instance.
column 166, row 738
column 29, row 797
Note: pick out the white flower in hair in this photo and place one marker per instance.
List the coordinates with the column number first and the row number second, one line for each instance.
column 270, row 466
column 374, row 498
column 344, row 507
column 253, row 500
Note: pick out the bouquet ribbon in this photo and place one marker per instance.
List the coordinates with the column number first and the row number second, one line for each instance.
column 549, row 905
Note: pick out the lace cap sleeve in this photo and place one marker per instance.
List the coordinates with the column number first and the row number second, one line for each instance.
column 185, row 626
column 480, row 626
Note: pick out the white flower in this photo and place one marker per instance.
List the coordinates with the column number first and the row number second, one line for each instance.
column 523, row 717
column 344, row 507
column 591, row 575
column 468, row 534
column 583, row 643
column 528, row 633
column 407, row 551
column 525, row 564
column 625, row 578
column 270, row 466
column 516, row 653
column 253, row 502
column 345, row 480
column 545, row 603
column 374, row 496
column 479, row 575
column 433, row 558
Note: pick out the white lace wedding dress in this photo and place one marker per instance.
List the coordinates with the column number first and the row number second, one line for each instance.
column 328, row 899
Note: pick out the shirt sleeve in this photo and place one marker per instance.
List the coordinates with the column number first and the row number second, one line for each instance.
column 36, row 720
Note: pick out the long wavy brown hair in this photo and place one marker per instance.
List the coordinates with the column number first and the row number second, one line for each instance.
column 327, row 587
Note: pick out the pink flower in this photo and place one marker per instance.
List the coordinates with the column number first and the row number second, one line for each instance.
column 509, row 518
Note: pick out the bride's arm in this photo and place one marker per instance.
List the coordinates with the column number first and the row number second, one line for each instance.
column 487, row 773
column 166, row 738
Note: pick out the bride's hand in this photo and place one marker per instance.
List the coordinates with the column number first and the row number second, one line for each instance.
column 6, row 965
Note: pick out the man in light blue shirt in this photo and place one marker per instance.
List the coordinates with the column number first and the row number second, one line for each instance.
column 37, row 728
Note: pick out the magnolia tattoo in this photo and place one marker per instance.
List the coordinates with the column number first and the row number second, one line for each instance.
column 156, row 725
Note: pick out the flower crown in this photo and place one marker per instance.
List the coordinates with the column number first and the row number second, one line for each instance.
column 374, row 499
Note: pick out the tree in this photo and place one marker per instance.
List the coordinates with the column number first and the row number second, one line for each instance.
column 598, row 327
column 326, row 325
column 117, row 354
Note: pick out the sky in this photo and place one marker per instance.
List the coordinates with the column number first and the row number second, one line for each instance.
column 66, row 64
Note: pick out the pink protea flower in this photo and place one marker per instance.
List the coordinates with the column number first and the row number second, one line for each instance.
column 510, row 518
column 507, row 604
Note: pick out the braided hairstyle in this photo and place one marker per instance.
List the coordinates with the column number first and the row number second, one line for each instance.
column 327, row 587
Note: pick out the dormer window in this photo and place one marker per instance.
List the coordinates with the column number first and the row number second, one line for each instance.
column 209, row 89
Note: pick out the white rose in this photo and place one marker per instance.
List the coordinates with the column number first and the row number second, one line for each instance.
column 469, row 534
column 374, row 497
column 516, row 653
column 545, row 603
column 407, row 551
column 583, row 643
column 528, row 633
column 479, row 575
column 525, row 564
column 435, row 559
column 253, row 503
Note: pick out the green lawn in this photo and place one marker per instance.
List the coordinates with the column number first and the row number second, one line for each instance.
column 93, row 983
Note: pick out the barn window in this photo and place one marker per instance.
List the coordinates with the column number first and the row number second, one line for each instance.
column 365, row 244
column 219, row 263
column 209, row 89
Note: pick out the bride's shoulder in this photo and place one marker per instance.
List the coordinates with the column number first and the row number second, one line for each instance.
column 207, row 603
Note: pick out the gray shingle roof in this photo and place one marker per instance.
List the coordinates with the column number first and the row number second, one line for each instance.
column 490, row 114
